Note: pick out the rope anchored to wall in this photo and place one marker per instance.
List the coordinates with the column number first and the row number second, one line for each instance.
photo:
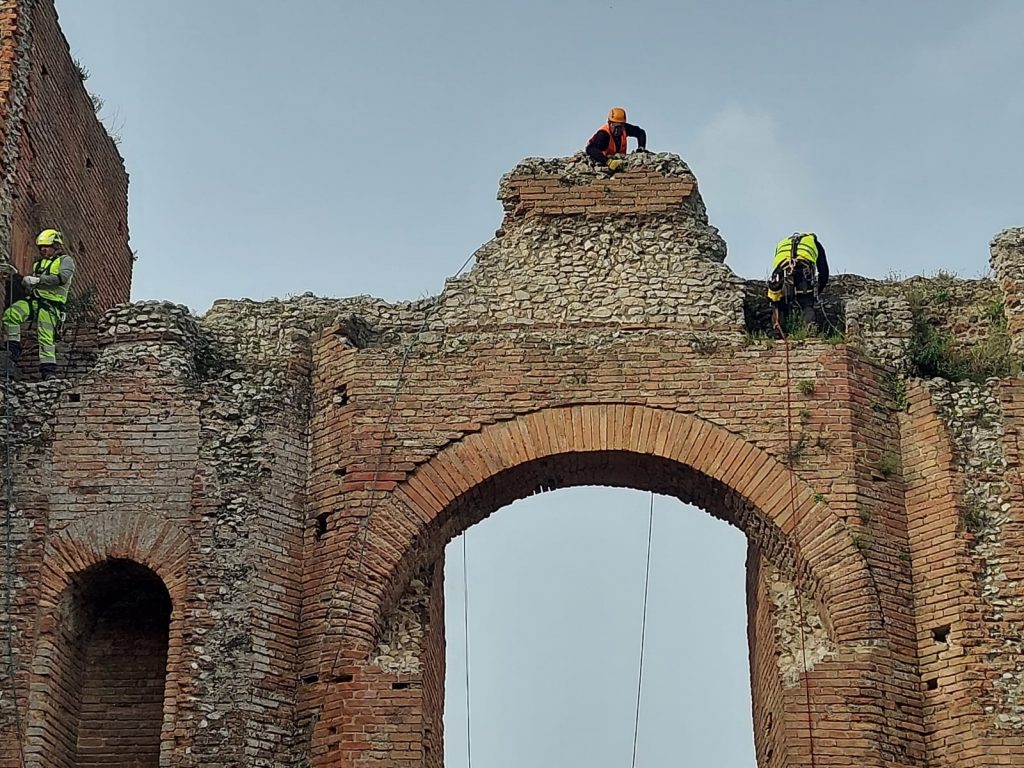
column 798, row 579
column 643, row 629
column 359, row 540
column 465, row 620
column 9, row 564
column 643, row 639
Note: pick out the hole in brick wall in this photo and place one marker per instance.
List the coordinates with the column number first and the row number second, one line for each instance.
column 107, row 677
column 310, row 679
column 74, row 397
column 941, row 634
column 321, row 525
column 341, row 394
column 44, row 71
column 340, row 472
column 932, row 684
column 88, row 162
column 81, row 249
column 354, row 331
column 343, row 678
column 400, row 686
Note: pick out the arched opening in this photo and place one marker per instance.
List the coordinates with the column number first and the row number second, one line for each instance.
column 107, row 676
column 813, row 612
column 787, row 627
column 556, row 590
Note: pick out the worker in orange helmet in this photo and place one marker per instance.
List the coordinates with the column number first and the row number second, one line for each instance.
column 610, row 139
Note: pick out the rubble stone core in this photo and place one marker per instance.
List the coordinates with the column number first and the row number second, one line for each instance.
column 233, row 525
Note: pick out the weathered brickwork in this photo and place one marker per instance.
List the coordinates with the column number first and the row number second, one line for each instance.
column 228, row 531
column 290, row 472
column 60, row 167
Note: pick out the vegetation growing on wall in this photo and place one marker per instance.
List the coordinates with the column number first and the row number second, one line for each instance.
column 935, row 353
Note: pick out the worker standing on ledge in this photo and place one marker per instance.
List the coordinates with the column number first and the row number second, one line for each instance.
column 46, row 296
column 799, row 275
column 610, row 139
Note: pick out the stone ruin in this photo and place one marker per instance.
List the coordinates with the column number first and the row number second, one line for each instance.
column 225, row 536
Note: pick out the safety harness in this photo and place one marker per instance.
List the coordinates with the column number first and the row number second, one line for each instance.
column 783, row 284
column 56, row 308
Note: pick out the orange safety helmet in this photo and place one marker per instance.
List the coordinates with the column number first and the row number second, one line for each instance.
column 616, row 115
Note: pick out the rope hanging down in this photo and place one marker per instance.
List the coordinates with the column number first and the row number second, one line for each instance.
column 465, row 619
column 9, row 565
column 360, row 538
column 643, row 629
column 795, row 512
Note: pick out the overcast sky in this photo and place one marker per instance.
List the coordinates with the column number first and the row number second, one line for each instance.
column 353, row 148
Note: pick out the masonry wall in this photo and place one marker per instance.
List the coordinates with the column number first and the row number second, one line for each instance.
column 61, row 167
column 766, row 686
column 290, row 472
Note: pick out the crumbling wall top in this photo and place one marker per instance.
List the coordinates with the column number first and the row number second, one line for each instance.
column 650, row 183
column 149, row 321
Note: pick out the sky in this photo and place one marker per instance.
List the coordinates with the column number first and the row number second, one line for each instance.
column 355, row 148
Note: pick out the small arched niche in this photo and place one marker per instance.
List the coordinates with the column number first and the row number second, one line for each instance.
column 107, row 678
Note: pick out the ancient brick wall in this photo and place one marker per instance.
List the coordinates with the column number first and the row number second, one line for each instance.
column 60, row 166
column 15, row 41
column 257, row 501
column 764, row 634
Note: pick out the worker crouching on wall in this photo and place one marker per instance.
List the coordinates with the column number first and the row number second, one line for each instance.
column 611, row 139
column 799, row 275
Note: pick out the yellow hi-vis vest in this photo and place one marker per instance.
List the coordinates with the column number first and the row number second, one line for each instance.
column 58, row 294
column 797, row 246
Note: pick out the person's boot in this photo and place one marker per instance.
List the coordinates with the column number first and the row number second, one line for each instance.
column 47, row 371
column 12, row 357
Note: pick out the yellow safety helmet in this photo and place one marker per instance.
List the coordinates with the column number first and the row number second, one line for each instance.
column 50, row 237
column 616, row 115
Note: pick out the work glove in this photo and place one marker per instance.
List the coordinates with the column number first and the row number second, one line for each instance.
column 614, row 164
column 30, row 282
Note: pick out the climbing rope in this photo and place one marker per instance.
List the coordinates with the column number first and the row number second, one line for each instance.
column 465, row 621
column 360, row 539
column 9, row 565
column 643, row 629
column 795, row 512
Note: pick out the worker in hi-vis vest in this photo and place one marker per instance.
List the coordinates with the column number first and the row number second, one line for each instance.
column 799, row 275
column 610, row 139
column 44, row 300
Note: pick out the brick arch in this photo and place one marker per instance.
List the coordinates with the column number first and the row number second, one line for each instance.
column 157, row 546
column 161, row 546
column 728, row 471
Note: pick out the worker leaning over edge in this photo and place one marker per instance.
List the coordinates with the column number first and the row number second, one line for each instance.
column 800, row 273
column 46, row 297
column 610, row 139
